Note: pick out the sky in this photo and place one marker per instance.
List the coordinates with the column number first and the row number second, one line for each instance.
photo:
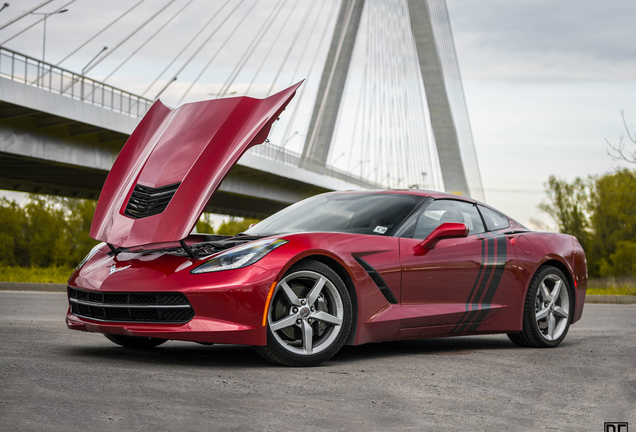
column 544, row 80
column 544, row 83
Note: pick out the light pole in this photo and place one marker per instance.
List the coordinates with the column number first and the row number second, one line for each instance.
column 360, row 162
column 93, row 59
column 338, row 158
column 46, row 15
column 5, row 5
column 87, row 65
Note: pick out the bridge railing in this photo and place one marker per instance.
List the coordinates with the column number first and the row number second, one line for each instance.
column 267, row 150
column 34, row 72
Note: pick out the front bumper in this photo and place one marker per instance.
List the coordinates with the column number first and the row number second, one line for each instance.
column 228, row 306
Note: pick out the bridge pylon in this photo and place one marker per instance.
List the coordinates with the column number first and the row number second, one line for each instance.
column 430, row 27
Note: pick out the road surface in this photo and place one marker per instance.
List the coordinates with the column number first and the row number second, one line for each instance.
column 54, row 379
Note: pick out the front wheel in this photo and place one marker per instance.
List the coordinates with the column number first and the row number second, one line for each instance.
column 134, row 341
column 546, row 316
column 309, row 317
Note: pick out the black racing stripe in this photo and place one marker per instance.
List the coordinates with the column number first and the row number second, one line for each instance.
column 488, row 268
column 502, row 253
column 475, row 284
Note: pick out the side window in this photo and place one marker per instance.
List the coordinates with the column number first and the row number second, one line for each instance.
column 442, row 211
column 494, row 221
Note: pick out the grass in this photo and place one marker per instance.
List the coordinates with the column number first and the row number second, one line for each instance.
column 595, row 286
column 611, row 286
column 35, row 274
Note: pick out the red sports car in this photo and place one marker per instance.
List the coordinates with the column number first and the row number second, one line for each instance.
column 340, row 268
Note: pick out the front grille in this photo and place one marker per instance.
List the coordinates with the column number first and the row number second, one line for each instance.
column 147, row 201
column 131, row 307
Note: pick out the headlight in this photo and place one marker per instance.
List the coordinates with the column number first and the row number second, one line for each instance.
column 240, row 256
column 90, row 255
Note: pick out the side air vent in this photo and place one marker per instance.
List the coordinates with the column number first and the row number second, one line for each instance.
column 146, row 201
column 384, row 289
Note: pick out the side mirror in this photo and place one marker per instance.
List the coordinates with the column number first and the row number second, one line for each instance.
column 444, row 231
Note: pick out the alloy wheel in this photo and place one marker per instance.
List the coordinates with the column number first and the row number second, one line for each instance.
column 552, row 305
column 307, row 313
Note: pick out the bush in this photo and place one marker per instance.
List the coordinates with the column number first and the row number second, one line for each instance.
column 622, row 262
column 47, row 231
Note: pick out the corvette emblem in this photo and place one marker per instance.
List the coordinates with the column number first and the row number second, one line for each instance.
column 114, row 269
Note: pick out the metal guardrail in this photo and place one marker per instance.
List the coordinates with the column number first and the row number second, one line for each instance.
column 277, row 153
column 34, row 72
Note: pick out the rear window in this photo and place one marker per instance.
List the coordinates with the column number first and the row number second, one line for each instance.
column 494, row 220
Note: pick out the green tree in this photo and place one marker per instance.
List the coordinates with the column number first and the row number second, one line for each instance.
column 79, row 216
column 47, row 231
column 569, row 205
column 13, row 222
column 235, row 226
column 205, row 225
column 614, row 222
column 620, row 263
column 45, row 227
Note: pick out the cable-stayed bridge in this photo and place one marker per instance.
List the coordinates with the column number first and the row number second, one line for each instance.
column 382, row 106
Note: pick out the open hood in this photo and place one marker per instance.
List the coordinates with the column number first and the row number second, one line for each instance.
column 172, row 164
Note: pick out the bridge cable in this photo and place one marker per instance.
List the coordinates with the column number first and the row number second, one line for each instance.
column 190, row 43
column 416, row 115
column 319, row 117
column 250, row 50
column 296, row 101
column 363, row 90
column 292, row 80
column 412, row 150
column 148, row 40
column 217, row 52
column 399, row 162
column 358, row 110
column 99, row 32
column 36, row 22
column 294, row 40
column 109, row 52
column 300, row 28
column 348, row 86
column 271, row 46
column 205, row 42
column 372, row 111
column 19, row 17
column 299, row 98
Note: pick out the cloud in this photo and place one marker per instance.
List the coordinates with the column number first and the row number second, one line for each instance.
column 545, row 40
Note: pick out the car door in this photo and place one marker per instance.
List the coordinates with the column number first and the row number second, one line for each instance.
column 455, row 282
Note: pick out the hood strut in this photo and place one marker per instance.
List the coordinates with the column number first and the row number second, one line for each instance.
column 113, row 249
column 189, row 251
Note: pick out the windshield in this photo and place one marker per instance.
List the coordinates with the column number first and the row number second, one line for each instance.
column 358, row 213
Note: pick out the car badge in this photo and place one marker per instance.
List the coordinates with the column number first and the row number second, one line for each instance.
column 114, row 269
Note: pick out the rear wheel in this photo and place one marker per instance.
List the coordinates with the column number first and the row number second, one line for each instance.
column 546, row 317
column 134, row 341
column 309, row 317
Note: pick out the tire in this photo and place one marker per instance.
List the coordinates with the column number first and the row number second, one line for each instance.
column 134, row 341
column 547, row 311
column 309, row 317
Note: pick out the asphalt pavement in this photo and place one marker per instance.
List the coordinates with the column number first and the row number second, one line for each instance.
column 54, row 379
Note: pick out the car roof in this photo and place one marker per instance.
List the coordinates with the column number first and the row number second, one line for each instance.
column 434, row 195
column 417, row 192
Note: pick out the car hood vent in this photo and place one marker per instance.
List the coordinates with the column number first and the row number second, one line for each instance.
column 147, row 201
